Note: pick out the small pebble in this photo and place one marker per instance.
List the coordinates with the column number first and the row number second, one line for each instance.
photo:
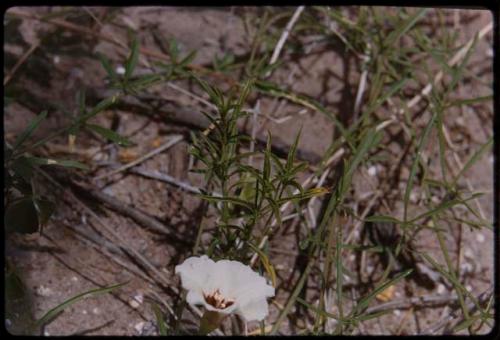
column 441, row 288
column 74, row 279
column 372, row 171
column 57, row 59
column 138, row 327
column 468, row 253
column 279, row 267
column 467, row 268
column 120, row 70
column 43, row 291
column 413, row 197
column 84, row 312
column 469, row 288
column 480, row 238
column 134, row 304
column 96, row 310
column 397, row 312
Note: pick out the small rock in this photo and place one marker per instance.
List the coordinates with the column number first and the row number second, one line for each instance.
column 469, row 288
column 74, row 279
column 96, row 311
column 397, row 312
column 372, row 171
column 120, row 70
column 57, row 59
column 139, row 298
column 138, row 327
column 84, row 312
column 468, row 253
column 134, row 304
column 480, row 238
column 413, row 197
column 441, row 288
column 43, row 291
column 467, row 268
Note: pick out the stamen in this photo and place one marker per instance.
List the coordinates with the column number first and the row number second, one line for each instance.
column 217, row 300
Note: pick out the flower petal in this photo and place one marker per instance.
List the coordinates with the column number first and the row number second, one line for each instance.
column 195, row 298
column 194, row 273
column 255, row 310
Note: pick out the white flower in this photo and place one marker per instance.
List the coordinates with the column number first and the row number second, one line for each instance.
column 225, row 287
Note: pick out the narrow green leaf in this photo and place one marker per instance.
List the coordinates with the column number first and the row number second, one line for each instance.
column 29, row 129
column 394, row 36
column 106, row 64
column 413, row 170
column 382, row 218
column 132, row 58
column 365, row 301
column 47, row 317
column 110, row 134
column 65, row 163
column 233, row 200
column 162, row 327
column 475, row 157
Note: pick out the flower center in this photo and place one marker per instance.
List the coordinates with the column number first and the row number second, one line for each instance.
column 217, row 300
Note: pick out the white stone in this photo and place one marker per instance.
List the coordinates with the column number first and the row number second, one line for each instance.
column 139, row 297
column 441, row 288
column 468, row 253
column 372, row 171
column 120, row 70
column 96, row 310
column 397, row 312
column 480, row 238
column 74, row 279
column 43, row 291
column 84, row 312
column 134, row 304
column 57, row 59
column 413, row 197
column 467, row 268
column 139, row 326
